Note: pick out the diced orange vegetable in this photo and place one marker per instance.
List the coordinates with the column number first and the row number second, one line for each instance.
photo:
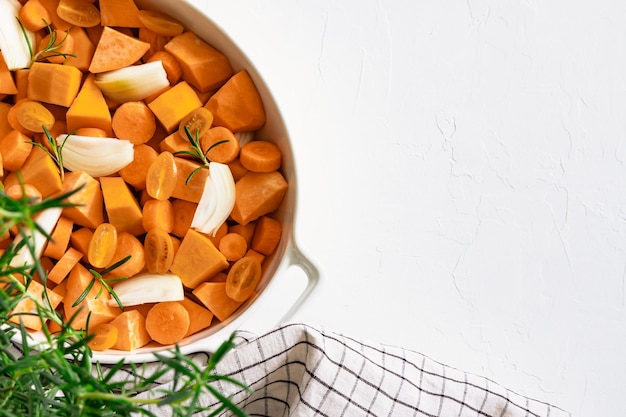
column 80, row 238
column 175, row 143
column 183, row 215
column 156, row 41
column 247, row 230
column 40, row 169
column 26, row 310
column 219, row 234
column 127, row 244
column 233, row 246
column 121, row 207
column 171, row 106
column 203, row 66
column 260, row 156
column 170, row 65
column 159, row 251
column 116, row 50
column 21, row 82
column 33, row 15
column 62, row 42
column 237, row 104
column 224, row 152
column 88, row 202
column 15, row 147
column 89, row 109
column 132, row 334
column 197, row 259
column 5, row 127
column 158, row 213
column 64, row 265
column 200, row 317
column 192, row 191
column 53, row 83
column 102, row 245
column 267, row 235
column 119, row 13
column 18, row 191
column 60, row 235
column 257, row 194
column 83, row 49
column 135, row 172
column 7, row 84
column 95, row 304
column 254, row 254
column 134, row 122
column 213, row 296
column 103, row 336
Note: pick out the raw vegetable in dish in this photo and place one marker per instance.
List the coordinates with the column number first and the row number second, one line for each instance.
column 169, row 216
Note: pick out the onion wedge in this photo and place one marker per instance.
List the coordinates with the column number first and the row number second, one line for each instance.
column 98, row 157
column 217, row 201
column 14, row 39
column 148, row 288
column 133, row 83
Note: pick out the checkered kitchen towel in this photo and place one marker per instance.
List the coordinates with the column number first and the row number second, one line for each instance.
column 299, row 370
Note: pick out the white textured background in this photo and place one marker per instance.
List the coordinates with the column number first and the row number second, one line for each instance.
column 462, row 178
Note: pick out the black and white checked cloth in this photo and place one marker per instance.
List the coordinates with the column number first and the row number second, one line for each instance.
column 300, row 370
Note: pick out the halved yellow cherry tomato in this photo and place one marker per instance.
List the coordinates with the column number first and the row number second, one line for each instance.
column 33, row 116
column 102, row 245
column 243, row 277
column 161, row 176
column 159, row 251
column 104, row 336
column 160, row 23
column 79, row 13
column 198, row 122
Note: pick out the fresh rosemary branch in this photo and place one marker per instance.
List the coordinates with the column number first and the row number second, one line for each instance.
column 51, row 49
column 55, row 151
column 57, row 377
column 196, row 152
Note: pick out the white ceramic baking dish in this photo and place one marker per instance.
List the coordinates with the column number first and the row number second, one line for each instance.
column 281, row 290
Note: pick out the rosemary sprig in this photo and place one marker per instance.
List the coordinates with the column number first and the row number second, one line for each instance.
column 196, row 152
column 57, row 377
column 51, row 49
column 55, row 151
column 104, row 283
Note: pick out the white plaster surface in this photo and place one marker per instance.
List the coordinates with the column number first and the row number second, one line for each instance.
column 462, row 178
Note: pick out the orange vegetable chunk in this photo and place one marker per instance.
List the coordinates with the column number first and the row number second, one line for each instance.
column 260, row 156
column 203, row 66
column 103, row 336
column 40, row 169
column 116, row 50
column 213, row 296
column 127, row 244
column 257, row 194
column 183, row 215
column 119, row 13
column 121, row 207
column 192, row 191
column 5, row 127
column 88, row 202
column 53, row 83
column 158, row 213
column 197, row 259
column 80, row 238
column 175, row 103
column 27, row 306
column 135, row 172
column 266, row 235
column 61, row 41
column 60, row 235
column 33, row 15
column 131, row 327
column 95, row 304
column 167, row 322
column 64, row 265
column 7, row 84
column 224, row 152
column 89, row 108
column 200, row 317
column 15, row 147
column 83, row 49
column 237, row 104
column 233, row 246
column 134, row 121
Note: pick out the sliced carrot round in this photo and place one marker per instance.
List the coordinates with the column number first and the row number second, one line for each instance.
column 102, row 245
column 104, row 336
column 233, row 246
column 159, row 251
column 260, row 156
column 33, row 116
column 160, row 23
column 134, row 121
column 198, row 122
column 167, row 322
column 161, row 176
column 221, row 145
column 243, row 277
column 94, row 132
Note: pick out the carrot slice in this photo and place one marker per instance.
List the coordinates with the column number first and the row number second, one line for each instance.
column 135, row 172
column 102, row 245
column 260, row 156
column 158, row 213
column 159, row 251
column 242, row 279
column 134, row 121
column 104, row 336
column 233, row 246
column 167, row 323
column 161, row 177
column 221, row 145
column 266, row 235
